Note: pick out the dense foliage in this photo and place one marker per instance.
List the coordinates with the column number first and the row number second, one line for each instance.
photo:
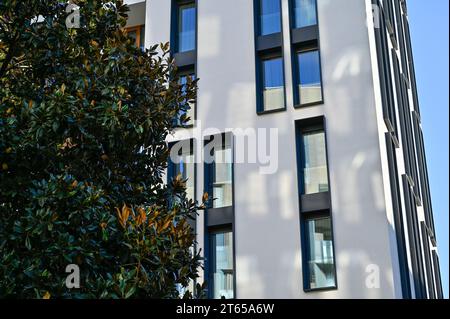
column 84, row 115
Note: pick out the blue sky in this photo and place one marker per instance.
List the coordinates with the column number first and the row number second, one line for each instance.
column 429, row 32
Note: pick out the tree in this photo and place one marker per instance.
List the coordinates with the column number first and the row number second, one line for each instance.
column 83, row 120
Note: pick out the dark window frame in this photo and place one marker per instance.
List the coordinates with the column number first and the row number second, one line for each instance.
column 171, row 172
column 257, row 13
column 267, row 46
column 184, row 59
column 292, row 17
column 398, row 217
column 176, row 6
column 437, row 275
column 414, row 239
column 428, row 264
column 188, row 71
column 218, row 218
column 386, row 81
column 312, row 205
column 296, row 50
column 263, row 56
column 212, row 230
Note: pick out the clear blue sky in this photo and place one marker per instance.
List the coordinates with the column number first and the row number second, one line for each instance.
column 429, row 32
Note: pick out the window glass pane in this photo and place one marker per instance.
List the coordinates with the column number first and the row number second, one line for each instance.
column 190, row 113
column 320, row 253
column 315, row 162
column 223, row 177
column 310, row 86
column 270, row 16
column 142, row 36
column 273, row 91
column 222, row 271
column 185, row 167
column 186, row 28
column 305, row 13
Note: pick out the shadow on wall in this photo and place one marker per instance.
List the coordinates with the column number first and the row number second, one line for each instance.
column 267, row 205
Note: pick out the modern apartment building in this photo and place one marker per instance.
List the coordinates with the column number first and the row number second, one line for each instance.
column 344, row 210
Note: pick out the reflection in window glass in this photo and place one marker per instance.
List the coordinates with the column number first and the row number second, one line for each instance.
column 137, row 34
column 273, row 90
column 186, row 27
column 184, row 166
column 223, row 177
column 310, row 86
column 320, row 253
column 190, row 113
column 270, row 19
column 305, row 13
column 222, row 272
column 315, row 162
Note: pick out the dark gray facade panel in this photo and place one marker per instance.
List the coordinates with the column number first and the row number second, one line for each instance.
column 398, row 218
column 429, row 268
column 437, row 276
column 414, row 240
column 307, row 34
column 315, row 202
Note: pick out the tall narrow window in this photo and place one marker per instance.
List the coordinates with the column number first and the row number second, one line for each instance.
column 314, row 158
column 270, row 16
column 320, row 260
column 186, row 27
column 219, row 216
column 305, row 13
column 309, row 77
column 221, row 265
column 316, row 229
column 183, row 80
column 223, row 177
column 273, row 84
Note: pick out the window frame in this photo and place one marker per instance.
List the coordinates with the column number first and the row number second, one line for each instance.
column 171, row 171
column 302, row 160
column 296, row 72
column 187, row 71
column 257, row 11
column 213, row 230
column 293, row 18
column 176, row 6
column 305, row 217
column 220, row 217
column 312, row 205
column 138, row 29
column 275, row 54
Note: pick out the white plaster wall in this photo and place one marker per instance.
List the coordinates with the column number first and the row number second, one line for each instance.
column 267, row 238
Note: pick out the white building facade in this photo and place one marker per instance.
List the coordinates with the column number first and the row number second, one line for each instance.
column 340, row 205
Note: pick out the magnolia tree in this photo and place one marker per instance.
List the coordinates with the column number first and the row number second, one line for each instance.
column 84, row 115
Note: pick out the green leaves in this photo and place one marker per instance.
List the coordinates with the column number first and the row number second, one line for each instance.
column 83, row 120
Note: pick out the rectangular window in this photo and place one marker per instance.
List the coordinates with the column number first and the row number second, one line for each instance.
column 183, row 80
column 309, row 77
column 223, row 177
column 273, row 84
column 320, row 259
column 270, row 16
column 137, row 34
column 186, row 27
column 181, row 162
column 305, row 13
column 319, row 271
column 221, row 265
column 314, row 161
